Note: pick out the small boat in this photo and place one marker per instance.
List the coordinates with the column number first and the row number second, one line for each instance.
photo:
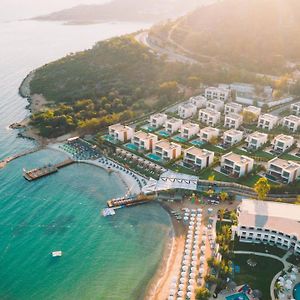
column 56, row 253
column 108, row 212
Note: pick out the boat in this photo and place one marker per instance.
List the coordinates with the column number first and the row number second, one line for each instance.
column 56, row 253
column 108, row 212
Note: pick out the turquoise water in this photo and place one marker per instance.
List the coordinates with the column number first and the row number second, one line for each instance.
column 131, row 146
column 238, row 296
column 154, row 157
column 179, row 139
column 297, row 292
column 198, row 143
column 148, row 128
column 163, row 133
column 103, row 258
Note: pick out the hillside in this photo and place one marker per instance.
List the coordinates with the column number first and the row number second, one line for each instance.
column 124, row 10
column 260, row 35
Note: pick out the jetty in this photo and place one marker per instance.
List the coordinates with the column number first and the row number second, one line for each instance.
column 46, row 170
column 7, row 160
column 130, row 201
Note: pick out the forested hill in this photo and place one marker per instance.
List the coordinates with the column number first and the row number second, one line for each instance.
column 261, row 35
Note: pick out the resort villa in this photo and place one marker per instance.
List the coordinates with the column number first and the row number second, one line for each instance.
column 188, row 130
column 233, row 120
column 269, row 222
column 173, row 125
column 120, row 132
column 291, row 122
column 209, row 116
column 215, row 104
column 208, row 133
column 267, row 121
column 231, row 137
column 253, row 110
column 199, row 158
column 256, row 140
column 282, row 142
column 187, row 110
column 282, row 170
column 295, row 108
column 199, row 101
column 167, row 150
column 232, row 107
column 236, row 165
column 158, row 120
column 217, row 93
column 144, row 141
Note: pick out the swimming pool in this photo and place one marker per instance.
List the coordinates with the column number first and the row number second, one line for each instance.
column 110, row 138
column 153, row 156
column 131, row 146
column 148, row 128
column 179, row 139
column 238, row 296
column 163, row 133
column 297, row 291
column 198, row 143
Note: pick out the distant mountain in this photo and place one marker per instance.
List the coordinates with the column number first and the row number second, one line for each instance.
column 260, row 35
column 124, row 10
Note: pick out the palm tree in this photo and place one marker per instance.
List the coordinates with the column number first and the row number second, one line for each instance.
column 278, row 288
column 223, row 196
column 221, row 215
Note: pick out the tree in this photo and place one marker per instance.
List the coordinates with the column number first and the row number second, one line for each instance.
column 169, row 89
column 249, row 117
column 224, row 196
column 278, row 288
column 202, row 293
column 233, row 217
column 211, row 178
column 213, row 140
column 262, row 188
column 221, row 214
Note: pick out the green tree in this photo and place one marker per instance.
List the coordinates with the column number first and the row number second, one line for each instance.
column 202, row 293
column 224, row 196
column 278, row 288
column 262, row 188
column 221, row 214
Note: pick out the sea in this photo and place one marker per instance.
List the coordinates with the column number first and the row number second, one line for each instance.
column 110, row 258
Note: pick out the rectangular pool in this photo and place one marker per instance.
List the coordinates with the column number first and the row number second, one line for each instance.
column 238, row 296
column 179, row 139
column 131, row 147
column 154, row 157
column 198, row 143
column 163, row 133
column 148, row 128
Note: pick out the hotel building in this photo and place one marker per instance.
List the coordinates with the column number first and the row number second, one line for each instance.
column 217, row 93
column 252, row 109
column 209, row 116
column 144, row 141
column 173, row 125
column 188, row 130
column 232, row 137
column 199, row 101
column 291, row 122
column 199, row 158
column 233, row 120
column 295, row 108
column 256, row 140
column 187, row 110
column 282, row 142
column 167, row 150
column 208, row 133
column 120, row 132
column 267, row 121
column 215, row 104
column 232, row 107
column 158, row 120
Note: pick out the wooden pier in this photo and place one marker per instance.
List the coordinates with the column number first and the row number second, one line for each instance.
column 130, row 201
column 46, row 170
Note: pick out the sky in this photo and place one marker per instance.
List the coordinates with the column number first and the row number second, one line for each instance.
column 11, row 10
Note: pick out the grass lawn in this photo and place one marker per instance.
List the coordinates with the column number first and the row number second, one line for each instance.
column 258, row 277
column 261, row 153
column 289, row 157
column 249, row 180
column 214, row 148
column 293, row 259
column 239, row 246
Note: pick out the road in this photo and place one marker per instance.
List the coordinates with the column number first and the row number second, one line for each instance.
column 143, row 38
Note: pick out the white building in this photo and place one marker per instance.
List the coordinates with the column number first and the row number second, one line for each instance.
column 215, row 104
column 217, row 93
column 209, row 116
column 295, row 108
column 253, row 110
column 233, row 120
column 173, row 125
column 144, row 140
column 291, row 122
column 188, row 130
column 282, row 142
column 236, row 165
column 200, row 158
column 208, row 133
column 256, row 140
column 232, row 107
column 167, row 150
column 267, row 121
column 284, row 170
column 187, row 110
column 232, row 137
column 120, row 132
column 158, row 120
column 269, row 222
column 199, row 101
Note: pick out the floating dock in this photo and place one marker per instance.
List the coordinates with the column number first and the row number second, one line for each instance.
column 46, row 170
column 129, row 201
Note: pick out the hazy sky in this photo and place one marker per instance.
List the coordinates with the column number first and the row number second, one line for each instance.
column 18, row 9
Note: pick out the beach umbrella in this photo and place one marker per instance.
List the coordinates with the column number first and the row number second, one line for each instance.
column 295, row 270
column 172, row 292
column 288, row 282
column 184, row 268
column 202, row 259
column 179, row 298
column 171, row 298
column 186, row 257
column 181, row 286
column 193, row 269
column 210, row 210
column 192, row 275
column 189, row 236
column 191, row 281
column 194, row 252
column 174, row 279
column 192, row 223
column 203, row 248
column 187, row 251
column 195, row 247
column 281, row 296
column 173, row 285
column 191, row 227
column 293, row 277
column 280, row 278
column 197, row 232
column 185, row 262
column 183, row 274
column 182, row 280
column 201, row 270
column 204, row 239
column 189, row 295
column 194, row 257
column 185, row 218
column 192, row 218
column 188, row 241
column 199, row 209
column 190, row 287
column 180, row 293
column 194, row 264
